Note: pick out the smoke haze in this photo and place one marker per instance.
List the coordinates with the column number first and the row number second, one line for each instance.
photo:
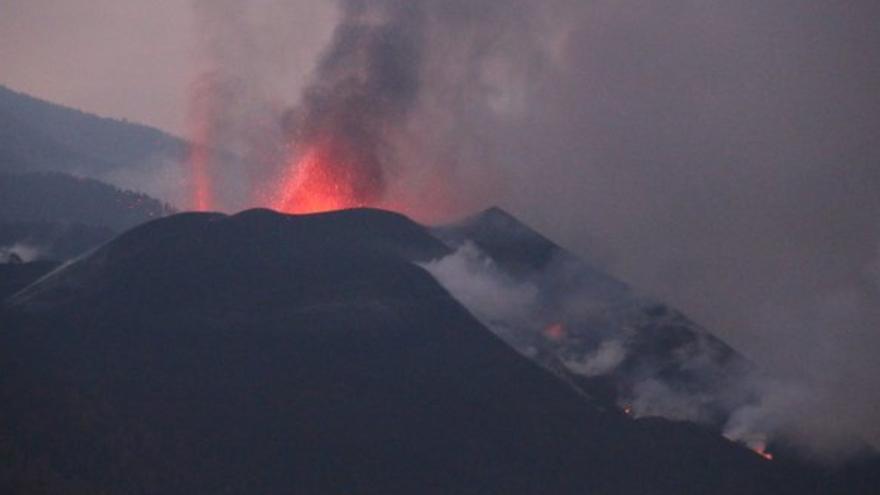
column 722, row 156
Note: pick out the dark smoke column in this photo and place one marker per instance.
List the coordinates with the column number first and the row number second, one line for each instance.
column 364, row 87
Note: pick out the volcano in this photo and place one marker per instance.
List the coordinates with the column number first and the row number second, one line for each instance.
column 612, row 341
column 270, row 353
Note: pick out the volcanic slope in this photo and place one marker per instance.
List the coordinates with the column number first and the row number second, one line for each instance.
column 36, row 135
column 620, row 346
column 264, row 353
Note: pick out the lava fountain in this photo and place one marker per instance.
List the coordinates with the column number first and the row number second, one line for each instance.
column 330, row 175
column 202, row 191
column 202, row 115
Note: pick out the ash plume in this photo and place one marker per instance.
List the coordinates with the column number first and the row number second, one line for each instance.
column 363, row 88
column 601, row 331
column 398, row 109
column 721, row 156
column 247, row 55
column 604, row 360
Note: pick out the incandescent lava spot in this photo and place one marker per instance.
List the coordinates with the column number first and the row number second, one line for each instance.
column 330, row 176
column 555, row 332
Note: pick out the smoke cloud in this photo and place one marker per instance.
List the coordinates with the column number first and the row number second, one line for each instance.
column 720, row 156
column 602, row 361
column 494, row 297
column 383, row 111
column 364, row 87
column 660, row 364
column 22, row 252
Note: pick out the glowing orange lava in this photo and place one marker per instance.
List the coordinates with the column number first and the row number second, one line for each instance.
column 200, row 115
column 313, row 187
column 202, row 194
column 760, row 448
column 555, row 332
column 326, row 178
column 755, row 443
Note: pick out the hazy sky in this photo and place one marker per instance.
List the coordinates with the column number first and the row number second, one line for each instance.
column 723, row 155
column 131, row 59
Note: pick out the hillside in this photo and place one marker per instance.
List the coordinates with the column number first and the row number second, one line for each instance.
column 36, row 135
column 265, row 353
column 39, row 136
column 47, row 218
column 40, row 240
column 60, row 198
column 611, row 341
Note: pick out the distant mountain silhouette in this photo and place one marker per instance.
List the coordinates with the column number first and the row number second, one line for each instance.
column 266, row 353
column 36, row 135
column 60, row 198
column 39, row 136
column 47, row 212
column 49, row 217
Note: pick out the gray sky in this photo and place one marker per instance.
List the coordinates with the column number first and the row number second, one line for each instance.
column 724, row 156
column 128, row 59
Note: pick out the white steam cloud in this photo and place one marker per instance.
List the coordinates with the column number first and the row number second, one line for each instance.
column 603, row 361
column 494, row 298
column 21, row 251
column 596, row 335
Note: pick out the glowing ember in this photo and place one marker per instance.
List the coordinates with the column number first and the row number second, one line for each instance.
column 325, row 178
column 765, row 455
column 757, row 443
column 760, row 447
column 555, row 332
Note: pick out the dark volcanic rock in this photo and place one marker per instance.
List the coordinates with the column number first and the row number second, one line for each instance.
column 263, row 353
column 16, row 276
column 52, row 240
column 54, row 197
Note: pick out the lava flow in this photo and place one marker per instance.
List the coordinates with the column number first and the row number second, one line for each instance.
column 327, row 178
column 760, row 448
column 755, row 443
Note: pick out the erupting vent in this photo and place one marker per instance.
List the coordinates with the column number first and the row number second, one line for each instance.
column 327, row 178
